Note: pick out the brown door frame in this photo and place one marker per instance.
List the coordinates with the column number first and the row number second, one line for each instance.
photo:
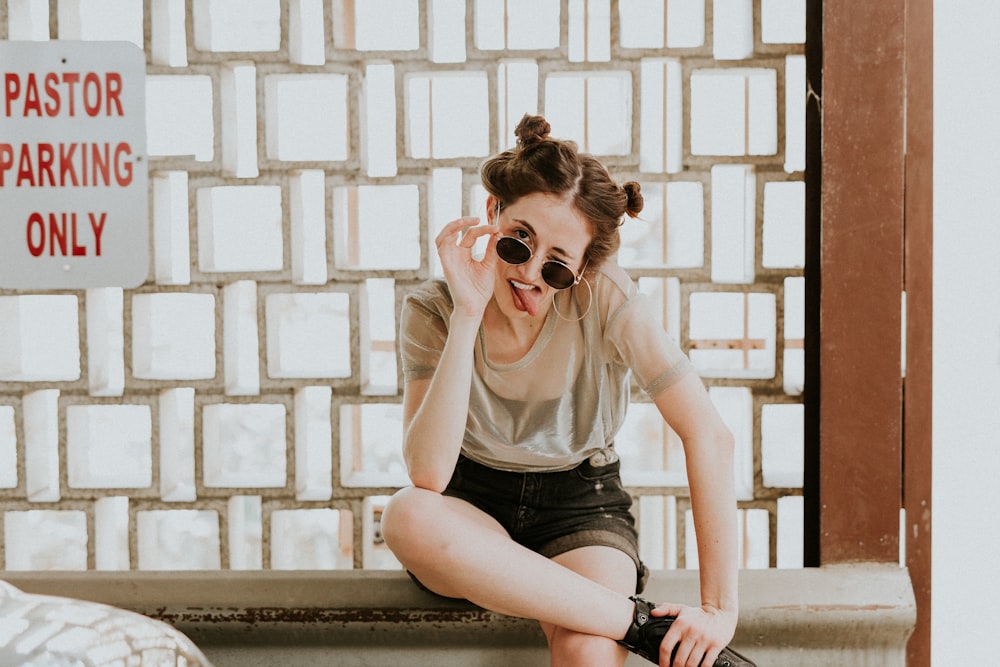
column 869, row 180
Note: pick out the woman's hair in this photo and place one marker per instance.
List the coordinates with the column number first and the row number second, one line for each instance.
column 541, row 164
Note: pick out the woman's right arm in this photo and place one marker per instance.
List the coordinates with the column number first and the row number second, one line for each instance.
column 435, row 410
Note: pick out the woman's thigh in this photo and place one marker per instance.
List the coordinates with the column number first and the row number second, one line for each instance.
column 419, row 526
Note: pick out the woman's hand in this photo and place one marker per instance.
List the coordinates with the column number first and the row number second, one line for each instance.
column 697, row 635
column 469, row 280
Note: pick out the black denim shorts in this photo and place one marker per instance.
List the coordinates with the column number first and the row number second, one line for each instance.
column 555, row 512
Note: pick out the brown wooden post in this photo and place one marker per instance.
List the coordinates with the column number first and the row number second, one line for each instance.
column 919, row 244
column 861, row 261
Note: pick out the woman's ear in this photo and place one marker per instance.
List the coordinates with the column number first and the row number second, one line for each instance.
column 493, row 210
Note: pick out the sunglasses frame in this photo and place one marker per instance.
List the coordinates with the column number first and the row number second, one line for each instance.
column 561, row 265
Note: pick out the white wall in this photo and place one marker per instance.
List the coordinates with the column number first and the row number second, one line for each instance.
column 966, row 493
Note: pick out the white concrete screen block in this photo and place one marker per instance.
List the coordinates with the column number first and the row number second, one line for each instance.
column 241, row 356
column 109, row 446
column 179, row 116
column 307, row 117
column 105, row 341
column 45, row 540
column 39, row 338
column 41, row 445
column 178, row 540
column 173, row 336
column 313, row 444
column 237, row 25
column 177, row 477
column 239, row 228
column 244, row 445
column 308, row 335
column 311, row 540
column 8, row 448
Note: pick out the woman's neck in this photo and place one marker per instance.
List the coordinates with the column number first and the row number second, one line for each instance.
column 509, row 339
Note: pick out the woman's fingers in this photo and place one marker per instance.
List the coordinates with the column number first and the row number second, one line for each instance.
column 456, row 230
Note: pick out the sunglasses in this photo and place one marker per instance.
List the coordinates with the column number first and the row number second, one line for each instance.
column 555, row 274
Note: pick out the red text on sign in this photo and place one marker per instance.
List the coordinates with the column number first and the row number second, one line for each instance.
column 66, row 164
column 52, row 94
column 61, row 234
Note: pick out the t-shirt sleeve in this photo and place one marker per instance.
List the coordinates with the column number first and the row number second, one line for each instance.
column 423, row 330
column 640, row 342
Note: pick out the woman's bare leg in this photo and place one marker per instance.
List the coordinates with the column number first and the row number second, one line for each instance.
column 458, row 551
column 609, row 567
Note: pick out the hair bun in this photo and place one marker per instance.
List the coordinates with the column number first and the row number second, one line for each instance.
column 531, row 130
column 634, row 203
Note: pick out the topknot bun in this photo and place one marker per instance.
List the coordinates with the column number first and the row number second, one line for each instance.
column 633, row 206
column 531, row 130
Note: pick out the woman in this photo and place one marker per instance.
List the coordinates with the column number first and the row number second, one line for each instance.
column 516, row 372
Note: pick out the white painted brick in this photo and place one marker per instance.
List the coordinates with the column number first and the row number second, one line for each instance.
column 239, row 228
column 105, row 341
column 378, row 147
column 41, row 445
column 449, row 114
column 307, row 117
column 178, row 540
column 101, row 20
column 45, row 540
column 661, row 116
column 308, row 335
column 109, row 446
column 246, row 532
column 529, row 25
column 313, row 444
column 386, row 25
column 310, row 540
column 307, row 209
column 446, row 32
column 244, row 445
column 168, row 43
column 177, row 477
column 171, row 234
column 8, row 447
column 111, row 548
column 241, row 348
column 39, row 338
column 379, row 375
column 732, row 29
column 173, row 336
column 594, row 109
column 376, row 227
column 179, row 116
column 28, row 20
column 306, row 40
column 237, row 25
column 238, row 85
column 370, row 454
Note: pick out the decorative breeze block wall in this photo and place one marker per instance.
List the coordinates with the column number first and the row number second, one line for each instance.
column 241, row 408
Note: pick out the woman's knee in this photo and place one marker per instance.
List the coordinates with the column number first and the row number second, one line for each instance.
column 405, row 515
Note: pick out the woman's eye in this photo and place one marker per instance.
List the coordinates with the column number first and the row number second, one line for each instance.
column 521, row 234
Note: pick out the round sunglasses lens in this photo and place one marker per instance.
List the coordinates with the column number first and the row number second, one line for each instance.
column 513, row 251
column 557, row 275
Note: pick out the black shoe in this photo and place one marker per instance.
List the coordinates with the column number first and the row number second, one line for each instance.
column 646, row 632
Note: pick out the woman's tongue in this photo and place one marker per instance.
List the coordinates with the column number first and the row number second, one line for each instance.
column 526, row 299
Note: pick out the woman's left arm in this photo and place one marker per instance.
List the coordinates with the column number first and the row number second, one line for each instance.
column 708, row 449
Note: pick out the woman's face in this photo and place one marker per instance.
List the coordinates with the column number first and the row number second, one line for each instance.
column 554, row 231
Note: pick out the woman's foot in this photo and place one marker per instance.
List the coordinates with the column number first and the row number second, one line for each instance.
column 646, row 633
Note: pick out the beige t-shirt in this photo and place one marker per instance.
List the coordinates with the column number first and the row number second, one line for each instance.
column 565, row 400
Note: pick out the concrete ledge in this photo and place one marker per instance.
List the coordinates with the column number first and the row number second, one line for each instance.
column 842, row 615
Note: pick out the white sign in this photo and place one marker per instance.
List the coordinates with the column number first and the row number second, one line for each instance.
column 74, row 209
